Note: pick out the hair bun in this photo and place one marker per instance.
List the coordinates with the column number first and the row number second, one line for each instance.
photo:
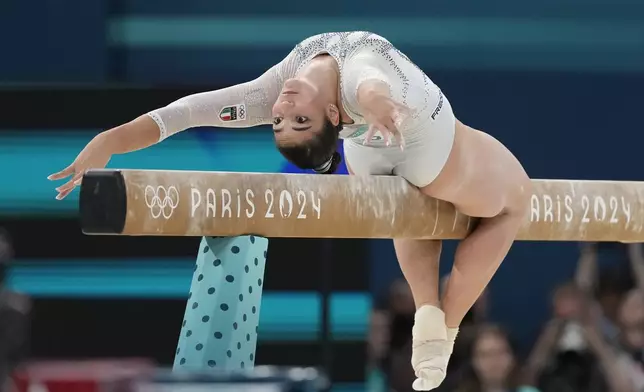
column 331, row 165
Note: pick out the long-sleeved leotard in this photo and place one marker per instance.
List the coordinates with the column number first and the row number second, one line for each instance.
column 360, row 56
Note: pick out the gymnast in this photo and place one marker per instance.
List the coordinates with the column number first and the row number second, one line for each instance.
column 394, row 120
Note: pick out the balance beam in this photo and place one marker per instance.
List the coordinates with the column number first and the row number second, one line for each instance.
column 191, row 203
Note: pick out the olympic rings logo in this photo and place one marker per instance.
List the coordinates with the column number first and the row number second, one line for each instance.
column 161, row 201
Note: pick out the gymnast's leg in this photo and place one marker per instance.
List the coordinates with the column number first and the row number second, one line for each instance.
column 476, row 261
column 482, row 179
column 419, row 262
column 477, row 258
column 418, row 259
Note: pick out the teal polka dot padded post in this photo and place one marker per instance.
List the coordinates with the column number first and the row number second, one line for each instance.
column 219, row 329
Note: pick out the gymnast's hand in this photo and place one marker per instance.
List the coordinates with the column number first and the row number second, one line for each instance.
column 95, row 155
column 382, row 114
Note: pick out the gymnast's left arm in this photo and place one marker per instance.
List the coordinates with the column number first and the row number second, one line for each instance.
column 243, row 105
column 240, row 106
column 223, row 108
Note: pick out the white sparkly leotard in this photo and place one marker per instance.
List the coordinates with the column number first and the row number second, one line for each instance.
column 428, row 131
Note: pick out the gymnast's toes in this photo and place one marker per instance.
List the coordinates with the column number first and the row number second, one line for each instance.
column 428, row 379
column 431, row 348
column 430, row 359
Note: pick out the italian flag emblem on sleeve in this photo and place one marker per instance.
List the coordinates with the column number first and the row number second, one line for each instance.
column 233, row 113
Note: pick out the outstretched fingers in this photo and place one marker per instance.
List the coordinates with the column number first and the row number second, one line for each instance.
column 69, row 186
column 388, row 132
column 373, row 128
column 66, row 172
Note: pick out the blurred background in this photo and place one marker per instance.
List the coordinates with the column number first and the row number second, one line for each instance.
column 560, row 82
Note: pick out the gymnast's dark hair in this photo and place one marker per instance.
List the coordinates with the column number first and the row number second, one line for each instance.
column 319, row 153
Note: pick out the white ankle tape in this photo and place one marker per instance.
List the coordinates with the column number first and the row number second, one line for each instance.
column 429, row 324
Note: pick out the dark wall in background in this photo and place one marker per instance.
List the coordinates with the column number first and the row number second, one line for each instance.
column 48, row 42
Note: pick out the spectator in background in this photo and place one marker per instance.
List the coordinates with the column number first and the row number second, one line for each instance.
column 594, row 341
column 636, row 261
column 493, row 366
column 630, row 321
column 575, row 350
column 612, row 287
column 14, row 324
column 631, row 337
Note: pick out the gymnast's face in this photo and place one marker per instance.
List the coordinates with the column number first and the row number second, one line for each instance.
column 300, row 112
column 305, row 125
